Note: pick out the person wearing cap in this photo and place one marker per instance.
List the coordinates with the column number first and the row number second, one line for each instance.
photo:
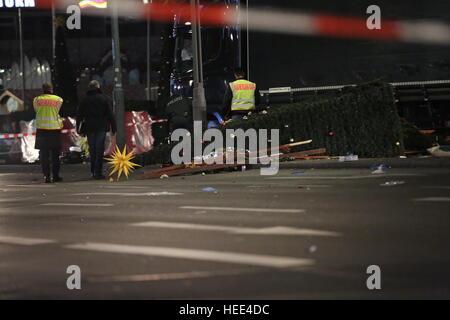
column 94, row 119
column 48, row 132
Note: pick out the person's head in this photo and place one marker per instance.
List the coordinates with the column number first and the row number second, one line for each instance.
column 93, row 85
column 239, row 73
column 47, row 88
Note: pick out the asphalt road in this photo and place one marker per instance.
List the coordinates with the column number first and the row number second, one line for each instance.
column 310, row 235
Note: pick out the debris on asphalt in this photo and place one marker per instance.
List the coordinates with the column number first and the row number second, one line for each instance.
column 349, row 157
column 312, row 249
column 164, row 176
column 392, row 183
column 380, row 169
column 439, row 151
column 209, row 189
column 203, row 168
column 298, row 172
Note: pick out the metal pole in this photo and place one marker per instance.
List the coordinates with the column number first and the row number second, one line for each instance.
column 199, row 100
column 199, row 37
column 53, row 33
column 119, row 105
column 22, row 57
column 149, row 57
column 248, row 48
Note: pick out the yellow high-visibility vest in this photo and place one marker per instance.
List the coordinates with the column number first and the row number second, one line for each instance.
column 47, row 108
column 243, row 95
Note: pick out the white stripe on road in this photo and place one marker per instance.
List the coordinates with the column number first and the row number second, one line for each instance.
column 302, row 177
column 192, row 254
column 17, row 199
column 280, row 231
column 125, row 194
column 244, row 209
column 435, row 187
column 24, row 241
column 124, row 187
column 77, row 204
column 434, row 199
column 172, row 276
column 32, row 185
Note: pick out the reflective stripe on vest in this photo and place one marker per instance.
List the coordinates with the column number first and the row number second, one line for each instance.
column 47, row 108
column 243, row 95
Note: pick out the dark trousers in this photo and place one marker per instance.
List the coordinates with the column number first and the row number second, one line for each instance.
column 46, row 156
column 96, row 142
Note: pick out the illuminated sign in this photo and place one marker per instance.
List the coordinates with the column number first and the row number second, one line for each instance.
column 102, row 4
column 17, row 3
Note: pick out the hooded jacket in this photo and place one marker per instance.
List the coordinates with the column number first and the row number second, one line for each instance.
column 95, row 110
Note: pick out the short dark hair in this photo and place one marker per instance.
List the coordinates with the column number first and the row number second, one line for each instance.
column 47, row 87
column 239, row 73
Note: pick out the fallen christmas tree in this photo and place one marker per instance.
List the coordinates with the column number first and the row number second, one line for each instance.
column 362, row 120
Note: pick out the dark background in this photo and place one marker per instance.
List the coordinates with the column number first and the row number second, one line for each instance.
column 284, row 60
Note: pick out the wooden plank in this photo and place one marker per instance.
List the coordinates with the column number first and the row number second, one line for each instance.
column 182, row 169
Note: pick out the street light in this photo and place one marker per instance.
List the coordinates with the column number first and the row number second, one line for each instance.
column 119, row 104
column 198, row 97
column 22, row 57
column 248, row 45
column 149, row 84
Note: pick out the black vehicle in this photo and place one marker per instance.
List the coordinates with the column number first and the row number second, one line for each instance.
column 221, row 49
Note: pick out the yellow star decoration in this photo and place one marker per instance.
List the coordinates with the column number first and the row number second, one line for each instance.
column 121, row 162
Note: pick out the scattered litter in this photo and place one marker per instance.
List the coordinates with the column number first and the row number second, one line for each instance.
column 243, row 168
column 381, row 166
column 312, row 249
column 44, row 195
column 349, row 157
column 392, row 183
column 439, row 151
column 298, row 172
column 164, row 176
column 380, row 169
column 111, row 180
column 403, row 157
column 209, row 189
column 87, row 198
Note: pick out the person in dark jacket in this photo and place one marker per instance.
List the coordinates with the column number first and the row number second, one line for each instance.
column 94, row 119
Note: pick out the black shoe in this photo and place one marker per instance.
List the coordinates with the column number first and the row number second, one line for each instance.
column 57, row 179
column 47, row 180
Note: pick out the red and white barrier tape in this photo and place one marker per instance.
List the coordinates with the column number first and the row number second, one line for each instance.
column 425, row 32
column 21, row 135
